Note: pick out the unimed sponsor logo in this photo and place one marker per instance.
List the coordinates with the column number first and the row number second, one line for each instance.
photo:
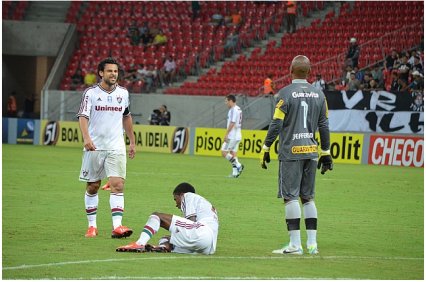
column 396, row 150
column 108, row 108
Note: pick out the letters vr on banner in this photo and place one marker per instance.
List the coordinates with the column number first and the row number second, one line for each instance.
column 376, row 111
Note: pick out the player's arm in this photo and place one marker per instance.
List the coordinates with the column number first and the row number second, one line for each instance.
column 273, row 131
column 230, row 127
column 128, row 127
column 84, row 127
column 325, row 161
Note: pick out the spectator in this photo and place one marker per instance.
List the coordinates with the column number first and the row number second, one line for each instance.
column 217, row 18
column 347, row 74
column 134, row 37
column 131, row 75
column 231, row 44
column 148, row 75
column 365, row 84
column 153, row 31
column 319, row 83
column 402, row 85
column 154, row 118
column 377, row 74
column 28, row 106
column 391, row 60
column 77, row 79
column 374, row 85
column 353, row 53
column 354, row 84
column 195, row 6
column 169, row 71
column 90, row 78
column 144, row 29
column 268, row 85
column 394, row 84
column 160, row 39
column 359, row 74
column 417, row 65
column 291, row 16
column 234, row 19
column 165, row 116
column 417, row 83
column 404, row 68
column 12, row 108
column 133, row 27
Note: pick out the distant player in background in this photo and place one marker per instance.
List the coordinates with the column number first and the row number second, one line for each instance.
column 103, row 113
column 195, row 232
column 232, row 136
column 301, row 110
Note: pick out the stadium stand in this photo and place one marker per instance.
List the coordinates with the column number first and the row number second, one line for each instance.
column 378, row 26
column 196, row 44
column 14, row 10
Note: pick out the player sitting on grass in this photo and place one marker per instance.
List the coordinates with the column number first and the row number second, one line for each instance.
column 196, row 232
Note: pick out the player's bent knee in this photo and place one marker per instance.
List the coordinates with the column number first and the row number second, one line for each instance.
column 93, row 187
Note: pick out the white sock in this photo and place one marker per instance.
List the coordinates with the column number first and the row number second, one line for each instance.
column 91, row 203
column 293, row 213
column 151, row 227
column 310, row 212
column 237, row 162
column 116, row 202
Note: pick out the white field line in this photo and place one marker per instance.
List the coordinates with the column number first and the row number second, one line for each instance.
column 195, row 278
column 54, row 264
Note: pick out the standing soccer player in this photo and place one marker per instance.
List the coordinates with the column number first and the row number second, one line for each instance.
column 195, row 232
column 233, row 136
column 103, row 113
column 301, row 110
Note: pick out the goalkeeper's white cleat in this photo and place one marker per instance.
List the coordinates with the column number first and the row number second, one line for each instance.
column 313, row 249
column 289, row 250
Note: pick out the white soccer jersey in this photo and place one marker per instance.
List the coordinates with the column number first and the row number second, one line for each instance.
column 105, row 113
column 196, row 205
column 235, row 115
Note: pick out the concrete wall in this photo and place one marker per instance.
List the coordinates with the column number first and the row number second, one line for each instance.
column 201, row 111
column 26, row 38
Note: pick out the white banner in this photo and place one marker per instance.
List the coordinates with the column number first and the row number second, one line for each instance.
column 376, row 121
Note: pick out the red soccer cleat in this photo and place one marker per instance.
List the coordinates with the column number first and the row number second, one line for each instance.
column 132, row 247
column 106, row 187
column 121, row 232
column 91, row 232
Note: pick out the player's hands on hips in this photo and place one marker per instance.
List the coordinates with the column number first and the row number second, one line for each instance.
column 264, row 157
column 132, row 151
column 325, row 161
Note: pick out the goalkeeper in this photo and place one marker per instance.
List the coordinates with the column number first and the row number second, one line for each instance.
column 300, row 111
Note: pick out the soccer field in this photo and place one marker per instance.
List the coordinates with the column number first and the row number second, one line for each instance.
column 370, row 220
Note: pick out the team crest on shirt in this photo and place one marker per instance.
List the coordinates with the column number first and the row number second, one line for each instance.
column 85, row 173
column 119, row 99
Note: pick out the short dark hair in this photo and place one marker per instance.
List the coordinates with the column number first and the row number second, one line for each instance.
column 231, row 98
column 183, row 188
column 109, row 60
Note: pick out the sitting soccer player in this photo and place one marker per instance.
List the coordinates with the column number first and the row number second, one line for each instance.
column 196, row 232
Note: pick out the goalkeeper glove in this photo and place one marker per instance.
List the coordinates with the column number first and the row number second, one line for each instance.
column 264, row 157
column 325, row 161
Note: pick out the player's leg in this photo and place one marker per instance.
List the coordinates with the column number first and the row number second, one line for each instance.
column 188, row 236
column 151, row 227
column 115, row 167
column 289, row 181
column 92, row 173
column 307, row 195
column 228, row 149
column 234, row 152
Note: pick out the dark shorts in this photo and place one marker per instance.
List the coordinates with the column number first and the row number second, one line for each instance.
column 297, row 179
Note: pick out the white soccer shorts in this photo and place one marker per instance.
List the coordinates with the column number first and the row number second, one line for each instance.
column 189, row 237
column 231, row 145
column 97, row 165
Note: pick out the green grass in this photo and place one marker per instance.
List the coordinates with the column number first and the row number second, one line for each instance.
column 371, row 220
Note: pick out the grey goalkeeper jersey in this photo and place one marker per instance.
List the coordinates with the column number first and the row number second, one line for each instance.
column 305, row 109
